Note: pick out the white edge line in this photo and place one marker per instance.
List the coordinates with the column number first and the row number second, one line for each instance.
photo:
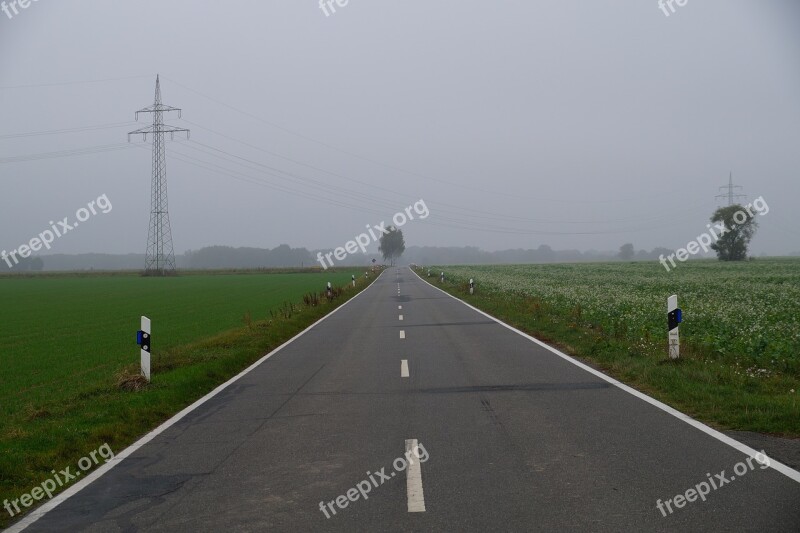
column 96, row 474
column 745, row 449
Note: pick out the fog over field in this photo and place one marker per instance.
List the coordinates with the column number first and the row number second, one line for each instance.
column 579, row 125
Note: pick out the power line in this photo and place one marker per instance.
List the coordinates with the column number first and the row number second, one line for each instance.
column 454, row 209
column 445, row 221
column 460, row 218
column 388, row 166
column 66, row 130
column 81, row 82
column 65, row 153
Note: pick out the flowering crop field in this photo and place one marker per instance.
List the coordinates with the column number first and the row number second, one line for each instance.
column 743, row 313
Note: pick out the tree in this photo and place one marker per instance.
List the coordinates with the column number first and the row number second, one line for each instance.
column 392, row 244
column 740, row 226
column 626, row 252
column 545, row 254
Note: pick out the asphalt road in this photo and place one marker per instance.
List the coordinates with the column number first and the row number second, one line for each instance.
column 510, row 437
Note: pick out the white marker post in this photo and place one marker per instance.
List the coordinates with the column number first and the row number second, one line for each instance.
column 471, row 286
column 145, row 341
column 354, row 280
column 674, row 317
column 442, row 276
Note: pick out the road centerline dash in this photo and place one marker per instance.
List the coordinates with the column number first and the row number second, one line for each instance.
column 414, row 492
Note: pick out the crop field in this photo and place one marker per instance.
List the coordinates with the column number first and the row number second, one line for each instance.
column 62, row 334
column 744, row 312
column 67, row 339
column 740, row 336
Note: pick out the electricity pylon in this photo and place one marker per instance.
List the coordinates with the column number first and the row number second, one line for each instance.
column 160, row 258
column 730, row 194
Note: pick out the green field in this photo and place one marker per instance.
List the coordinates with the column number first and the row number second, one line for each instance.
column 64, row 335
column 740, row 340
column 68, row 339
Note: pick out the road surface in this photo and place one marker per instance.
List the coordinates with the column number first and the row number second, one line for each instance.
column 446, row 421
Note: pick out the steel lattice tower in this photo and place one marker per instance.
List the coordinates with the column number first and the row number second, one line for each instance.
column 160, row 258
column 732, row 198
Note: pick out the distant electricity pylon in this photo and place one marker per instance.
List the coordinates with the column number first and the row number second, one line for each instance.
column 160, row 259
column 731, row 189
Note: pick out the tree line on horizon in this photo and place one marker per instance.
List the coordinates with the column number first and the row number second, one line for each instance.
column 284, row 256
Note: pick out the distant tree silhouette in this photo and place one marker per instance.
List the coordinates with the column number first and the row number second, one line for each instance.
column 626, row 252
column 732, row 245
column 392, row 245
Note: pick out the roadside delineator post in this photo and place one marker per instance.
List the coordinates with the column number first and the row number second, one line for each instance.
column 674, row 318
column 354, row 279
column 330, row 290
column 442, row 276
column 471, row 286
column 145, row 341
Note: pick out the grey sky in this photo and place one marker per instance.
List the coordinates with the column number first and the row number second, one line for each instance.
column 578, row 124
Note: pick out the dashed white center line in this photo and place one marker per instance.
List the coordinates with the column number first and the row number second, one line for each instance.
column 399, row 306
column 416, row 497
column 401, row 317
column 402, row 334
column 404, row 368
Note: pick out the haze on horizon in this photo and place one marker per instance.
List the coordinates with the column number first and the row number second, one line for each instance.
column 580, row 125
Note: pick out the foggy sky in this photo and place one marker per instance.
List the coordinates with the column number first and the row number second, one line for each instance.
column 577, row 124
